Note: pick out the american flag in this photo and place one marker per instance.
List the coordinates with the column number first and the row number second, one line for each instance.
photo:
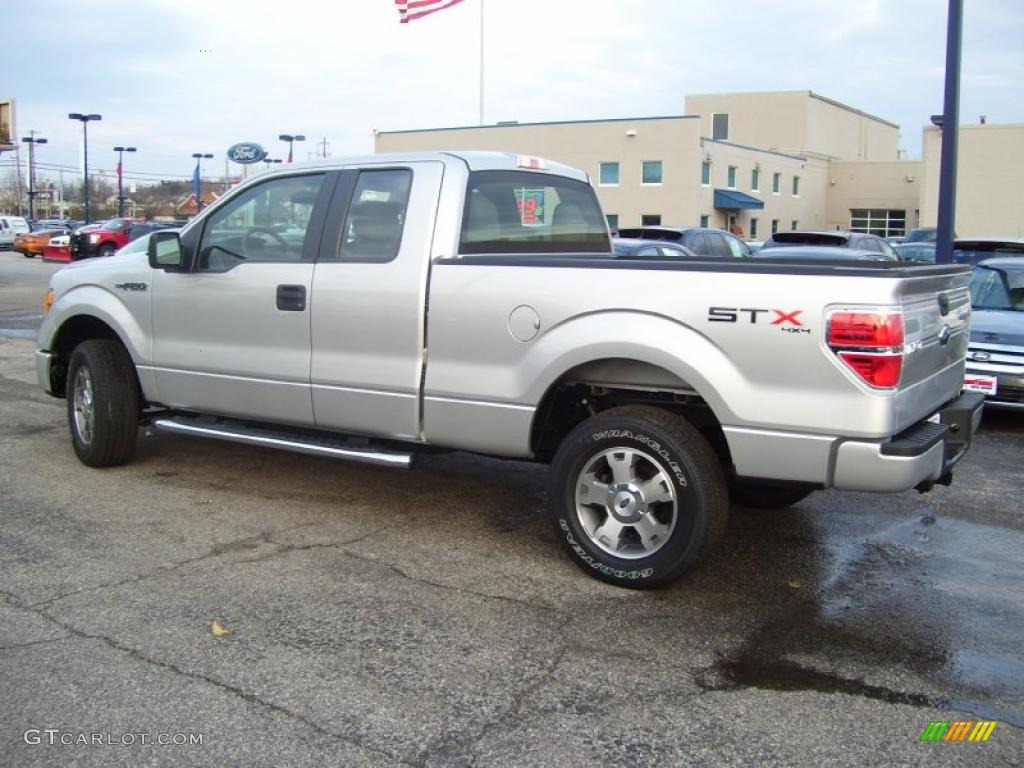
column 410, row 10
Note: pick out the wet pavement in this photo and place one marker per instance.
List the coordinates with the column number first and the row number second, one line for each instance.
column 429, row 617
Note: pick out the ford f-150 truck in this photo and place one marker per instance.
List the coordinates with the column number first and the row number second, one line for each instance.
column 367, row 308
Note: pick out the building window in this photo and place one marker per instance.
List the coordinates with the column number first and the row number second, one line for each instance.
column 613, row 220
column 881, row 222
column 794, row 225
column 704, row 221
column 755, row 180
column 753, row 229
column 796, row 186
column 720, row 126
column 705, row 173
column 651, row 172
column 731, row 183
column 775, row 226
column 609, row 174
column 776, row 183
column 650, row 220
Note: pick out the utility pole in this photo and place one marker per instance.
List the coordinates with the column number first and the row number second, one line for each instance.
column 31, row 140
column 323, row 149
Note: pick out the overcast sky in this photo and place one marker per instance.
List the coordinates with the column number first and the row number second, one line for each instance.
column 173, row 77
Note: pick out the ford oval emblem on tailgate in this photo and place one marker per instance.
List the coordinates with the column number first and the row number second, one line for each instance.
column 943, row 304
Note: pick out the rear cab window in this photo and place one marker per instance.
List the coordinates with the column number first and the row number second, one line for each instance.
column 522, row 212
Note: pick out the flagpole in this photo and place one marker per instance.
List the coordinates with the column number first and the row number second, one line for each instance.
column 481, row 62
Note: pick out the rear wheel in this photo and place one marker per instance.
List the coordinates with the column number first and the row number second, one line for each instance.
column 103, row 403
column 638, row 496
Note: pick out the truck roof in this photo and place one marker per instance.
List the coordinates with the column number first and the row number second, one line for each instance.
column 473, row 159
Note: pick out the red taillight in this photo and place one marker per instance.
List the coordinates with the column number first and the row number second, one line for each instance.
column 865, row 329
column 877, row 370
column 870, row 344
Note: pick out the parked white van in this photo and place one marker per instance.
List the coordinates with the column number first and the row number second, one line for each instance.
column 9, row 227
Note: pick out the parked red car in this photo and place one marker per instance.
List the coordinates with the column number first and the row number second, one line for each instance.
column 104, row 240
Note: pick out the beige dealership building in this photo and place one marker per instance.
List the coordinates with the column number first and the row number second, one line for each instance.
column 764, row 161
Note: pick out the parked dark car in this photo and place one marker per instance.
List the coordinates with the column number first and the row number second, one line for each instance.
column 633, row 248
column 859, row 241
column 975, row 250
column 923, row 253
column 702, row 241
column 995, row 354
column 820, row 253
column 921, row 235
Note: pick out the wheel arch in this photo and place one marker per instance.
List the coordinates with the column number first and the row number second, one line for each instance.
column 598, row 385
column 72, row 332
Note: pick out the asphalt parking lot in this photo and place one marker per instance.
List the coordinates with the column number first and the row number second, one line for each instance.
column 373, row 617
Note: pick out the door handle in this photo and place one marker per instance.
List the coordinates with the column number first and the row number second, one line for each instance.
column 291, row 298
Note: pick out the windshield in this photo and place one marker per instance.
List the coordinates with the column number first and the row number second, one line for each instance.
column 995, row 287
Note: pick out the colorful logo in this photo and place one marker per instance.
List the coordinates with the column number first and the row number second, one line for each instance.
column 958, row 730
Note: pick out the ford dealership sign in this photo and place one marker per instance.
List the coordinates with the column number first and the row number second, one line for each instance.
column 246, row 152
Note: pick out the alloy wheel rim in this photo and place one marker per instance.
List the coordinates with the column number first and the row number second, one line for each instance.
column 626, row 503
column 84, row 405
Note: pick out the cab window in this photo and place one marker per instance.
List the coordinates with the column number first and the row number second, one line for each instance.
column 523, row 212
column 376, row 216
column 266, row 223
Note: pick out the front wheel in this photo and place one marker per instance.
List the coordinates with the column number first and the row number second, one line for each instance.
column 103, row 403
column 106, row 249
column 638, row 496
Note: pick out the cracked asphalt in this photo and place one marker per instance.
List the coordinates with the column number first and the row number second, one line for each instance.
column 429, row 617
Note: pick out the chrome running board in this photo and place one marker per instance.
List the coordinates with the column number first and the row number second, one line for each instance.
column 314, row 445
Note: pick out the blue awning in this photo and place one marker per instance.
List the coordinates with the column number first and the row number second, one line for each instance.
column 731, row 200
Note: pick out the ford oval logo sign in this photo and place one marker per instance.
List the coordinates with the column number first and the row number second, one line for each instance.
column 246, row 152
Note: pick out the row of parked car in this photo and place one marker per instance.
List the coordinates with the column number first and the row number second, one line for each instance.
column 696, row 242
column 63, row 240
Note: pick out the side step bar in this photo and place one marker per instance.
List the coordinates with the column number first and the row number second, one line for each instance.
column 284, row 440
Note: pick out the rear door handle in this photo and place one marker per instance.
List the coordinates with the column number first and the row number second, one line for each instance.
column 291, row 298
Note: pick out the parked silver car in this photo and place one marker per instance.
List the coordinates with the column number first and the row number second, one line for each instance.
column 995, row 356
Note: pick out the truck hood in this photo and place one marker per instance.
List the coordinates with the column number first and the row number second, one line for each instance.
column 997, row 326
column 100, row 271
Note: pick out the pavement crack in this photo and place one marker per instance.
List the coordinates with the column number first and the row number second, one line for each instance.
column 233, row 690
column 217, row 550
column 533, row 606
column 449, row 749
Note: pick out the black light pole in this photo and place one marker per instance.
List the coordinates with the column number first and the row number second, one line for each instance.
column 120, row 171
column 197, row 185
column 291, row 139
column 32, row 141
column 949, row 127
column 270, row 161
column 84, row 119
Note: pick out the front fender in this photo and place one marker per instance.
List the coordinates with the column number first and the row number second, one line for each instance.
column 97, row 302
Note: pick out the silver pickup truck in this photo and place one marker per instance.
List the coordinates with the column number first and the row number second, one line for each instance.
column 368, row 308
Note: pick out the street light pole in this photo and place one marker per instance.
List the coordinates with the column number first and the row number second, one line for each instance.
column 291, row 139
column 120, row 172
column 270, row 161
column 197, row 187
column 950, row 129
column 84, row 119
column 31, row 140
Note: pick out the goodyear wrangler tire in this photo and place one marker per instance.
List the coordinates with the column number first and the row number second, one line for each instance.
column 103, row 403
column 638, row 496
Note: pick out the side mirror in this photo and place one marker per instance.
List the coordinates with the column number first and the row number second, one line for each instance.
column 165, row 252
